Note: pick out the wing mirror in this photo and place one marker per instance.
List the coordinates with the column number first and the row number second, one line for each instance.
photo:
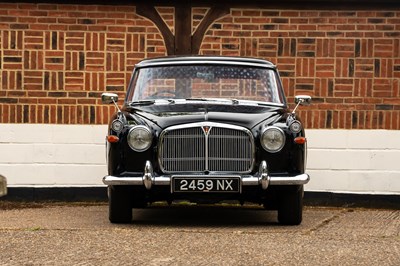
column 301, row 100
column 108, row 98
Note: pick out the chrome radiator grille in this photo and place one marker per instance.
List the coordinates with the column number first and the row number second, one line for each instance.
column 200, row 148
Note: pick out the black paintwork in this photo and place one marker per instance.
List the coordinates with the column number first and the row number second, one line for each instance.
column 123, row 161
column 175, row 114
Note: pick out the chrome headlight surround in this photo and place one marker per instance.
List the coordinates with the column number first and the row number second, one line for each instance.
column 140, row 138
column 273, row 139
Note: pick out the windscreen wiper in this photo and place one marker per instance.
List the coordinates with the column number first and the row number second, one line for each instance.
column 233, row 101
column 143, row 102
column 197, row 99
column 150, row 102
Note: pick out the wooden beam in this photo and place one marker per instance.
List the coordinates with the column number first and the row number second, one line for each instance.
column 151, row 13
column 265, row 4
column 281, row 4
column 212, row 15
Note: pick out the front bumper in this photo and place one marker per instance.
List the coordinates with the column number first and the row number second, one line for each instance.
column 262, row 178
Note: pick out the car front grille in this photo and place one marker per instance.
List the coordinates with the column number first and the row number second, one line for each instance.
column 206, row 147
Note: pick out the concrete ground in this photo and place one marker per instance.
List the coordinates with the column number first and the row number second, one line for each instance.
column 80, row 234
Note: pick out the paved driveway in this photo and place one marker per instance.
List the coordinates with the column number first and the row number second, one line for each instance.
column 54, row 234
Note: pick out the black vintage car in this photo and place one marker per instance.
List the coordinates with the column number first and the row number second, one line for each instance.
column 206, row 130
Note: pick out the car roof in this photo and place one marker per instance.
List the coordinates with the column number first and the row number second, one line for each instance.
column 189, row 60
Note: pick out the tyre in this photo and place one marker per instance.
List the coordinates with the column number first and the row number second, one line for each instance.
column 139, row 197
column 120, row 204
column 290, row 206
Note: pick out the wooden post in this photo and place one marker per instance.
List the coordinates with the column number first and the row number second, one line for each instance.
column 183, row 30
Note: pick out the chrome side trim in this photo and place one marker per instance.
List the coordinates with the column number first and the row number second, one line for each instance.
column 205, row 61
column 290, row 180
column 123, row 181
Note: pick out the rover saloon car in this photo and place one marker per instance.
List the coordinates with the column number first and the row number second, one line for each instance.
column 205, row 130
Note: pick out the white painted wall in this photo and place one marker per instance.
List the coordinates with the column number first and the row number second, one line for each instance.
column 354, row 161
column 52, row 155
column 349, row 161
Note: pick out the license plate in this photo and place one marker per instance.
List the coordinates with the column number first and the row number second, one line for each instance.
column 206, row 184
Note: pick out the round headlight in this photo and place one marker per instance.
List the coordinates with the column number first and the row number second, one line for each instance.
column 117, row 125
column 295, row 126
column 273, row 139
column 140, row 138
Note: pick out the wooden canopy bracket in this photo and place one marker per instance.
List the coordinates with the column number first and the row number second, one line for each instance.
column 151, row 13
column 183, row 43
column 212, row 15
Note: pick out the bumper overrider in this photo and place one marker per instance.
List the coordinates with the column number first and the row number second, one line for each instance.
column 262, row 178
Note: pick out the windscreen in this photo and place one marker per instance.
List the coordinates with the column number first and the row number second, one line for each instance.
column 205, row 82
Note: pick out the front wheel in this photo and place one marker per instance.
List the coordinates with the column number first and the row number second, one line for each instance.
column 290, row 208
column 120, row 204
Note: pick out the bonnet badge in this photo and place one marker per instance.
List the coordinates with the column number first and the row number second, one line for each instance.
column 206, row 129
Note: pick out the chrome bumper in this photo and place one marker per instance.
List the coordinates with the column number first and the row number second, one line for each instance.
column 262, row 178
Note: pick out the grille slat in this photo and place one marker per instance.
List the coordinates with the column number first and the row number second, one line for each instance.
column 192, row 149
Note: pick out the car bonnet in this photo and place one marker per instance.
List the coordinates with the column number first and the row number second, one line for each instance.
column 241, row 115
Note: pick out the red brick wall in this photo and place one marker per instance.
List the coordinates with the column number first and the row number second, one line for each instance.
column 56, row 60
